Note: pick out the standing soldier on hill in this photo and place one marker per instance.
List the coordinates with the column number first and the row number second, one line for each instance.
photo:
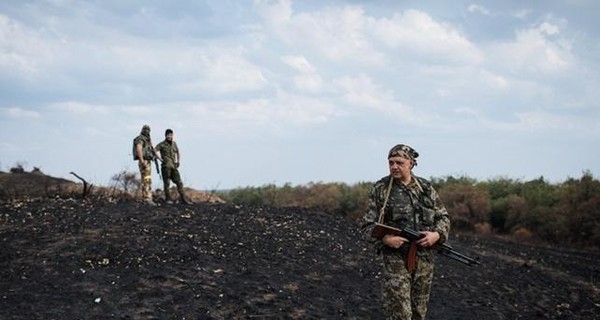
column 168, row 153
column 402, row 200
column 144, row 153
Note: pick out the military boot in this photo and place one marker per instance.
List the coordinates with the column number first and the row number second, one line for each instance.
column 168, row 199
column 183, row 198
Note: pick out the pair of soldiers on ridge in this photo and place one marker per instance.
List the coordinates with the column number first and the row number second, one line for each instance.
column 168, row 154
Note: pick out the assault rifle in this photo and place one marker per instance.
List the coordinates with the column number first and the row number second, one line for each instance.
column 156, row 164
column 155, row 158
column 381, row 230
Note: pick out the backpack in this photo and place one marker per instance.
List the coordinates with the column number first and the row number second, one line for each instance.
column 134, row 150
column 147, row 150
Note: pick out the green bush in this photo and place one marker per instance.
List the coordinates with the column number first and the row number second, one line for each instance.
column 499, row 214
column 466, row 204
column 567, row 212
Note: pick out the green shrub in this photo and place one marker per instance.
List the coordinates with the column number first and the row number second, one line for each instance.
column 567, row 212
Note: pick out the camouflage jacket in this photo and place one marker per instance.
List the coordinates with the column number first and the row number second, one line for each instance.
column 416, row 205
column 167, row 153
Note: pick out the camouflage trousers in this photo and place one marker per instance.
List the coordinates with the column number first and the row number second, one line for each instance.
column 146, row 179
column 171, row 174
column 405, row 295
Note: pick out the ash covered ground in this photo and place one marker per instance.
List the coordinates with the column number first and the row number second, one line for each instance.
column 96, row 259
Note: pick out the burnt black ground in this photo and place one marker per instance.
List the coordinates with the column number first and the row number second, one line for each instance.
column 74, row 259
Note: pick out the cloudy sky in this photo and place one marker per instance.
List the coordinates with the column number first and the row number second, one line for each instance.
column 262, row 92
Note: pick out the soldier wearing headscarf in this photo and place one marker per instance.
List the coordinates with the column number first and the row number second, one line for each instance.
column 144, row 153
column 403, row 200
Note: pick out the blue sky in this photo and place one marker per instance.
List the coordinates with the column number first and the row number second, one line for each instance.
column 261, row 92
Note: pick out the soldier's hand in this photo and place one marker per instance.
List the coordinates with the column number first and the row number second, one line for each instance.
column 394, row 241
column 429, row 239
column 143, row 163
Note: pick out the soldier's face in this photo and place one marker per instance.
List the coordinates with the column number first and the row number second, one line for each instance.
column 400, row 167
column 169, row 137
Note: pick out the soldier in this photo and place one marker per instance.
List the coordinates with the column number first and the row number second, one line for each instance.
column 168, row 153
column 405, row 200
column 144, row 153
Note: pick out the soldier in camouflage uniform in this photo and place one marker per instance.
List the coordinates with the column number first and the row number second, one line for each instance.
column 404, row 200
column 168, row 153
column 144, row 153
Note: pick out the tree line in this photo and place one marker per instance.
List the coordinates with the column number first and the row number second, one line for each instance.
column 565, row 213
column 559, row 213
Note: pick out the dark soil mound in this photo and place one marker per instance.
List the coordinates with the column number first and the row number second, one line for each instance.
column 73, row 259
column 36, row 184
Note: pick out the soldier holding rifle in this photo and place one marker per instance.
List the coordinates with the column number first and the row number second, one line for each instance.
column 404, row 200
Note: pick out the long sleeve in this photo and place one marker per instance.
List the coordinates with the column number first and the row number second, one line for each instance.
column 441, row 217
column 372, row 215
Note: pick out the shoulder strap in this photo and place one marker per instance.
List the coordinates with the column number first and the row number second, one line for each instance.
column 385, row 201
column 419, row 185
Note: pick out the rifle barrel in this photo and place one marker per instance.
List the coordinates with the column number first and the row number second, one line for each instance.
column 444, row 249
column 455, row 255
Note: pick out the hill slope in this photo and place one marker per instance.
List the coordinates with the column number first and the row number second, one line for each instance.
column 72, row 259
column 33, row 184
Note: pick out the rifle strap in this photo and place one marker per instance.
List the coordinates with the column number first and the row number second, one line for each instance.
column 385, row 201
column 387, row 195
column 418, row 184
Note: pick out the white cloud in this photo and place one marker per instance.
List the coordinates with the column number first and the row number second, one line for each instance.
column 466, row 111
column 522, row 14
column 231, row 72
column 308, row 80
column 534, row 51
column 311, row 83
column 549, row 28
column 299, row 63
column 285, row 109
column 234, row 118
column 545, row 121
column 303, row 111
column 133, row 110
column 79, row 108
column 337, row 33
column 494, row 80
column 277, row 13
column 22, row 50
column 124, row 62
column 348, row 36
column 417, row 33
column 363, row 92
column 478, row 9
column 20, row 113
